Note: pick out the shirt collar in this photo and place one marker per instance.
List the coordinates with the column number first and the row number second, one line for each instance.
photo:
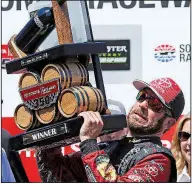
column 184, row 177
column 153, row 139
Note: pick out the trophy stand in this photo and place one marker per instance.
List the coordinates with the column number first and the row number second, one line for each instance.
column 61, row 133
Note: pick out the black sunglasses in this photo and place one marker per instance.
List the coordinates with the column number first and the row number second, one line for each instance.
column 154, row 103
column 184, row 136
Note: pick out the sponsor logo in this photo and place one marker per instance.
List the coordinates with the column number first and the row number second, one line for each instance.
column 165, row 53
column 114, row 54
column 143, row 172
column 40, row 95
column 117, row 56
column 136, row 178
column 106, row 170
column 158, row 164
column 152, row 170
column 162, row 84
column 117, row 52
column 38, row 22
column 5, row 55
column 185, row 53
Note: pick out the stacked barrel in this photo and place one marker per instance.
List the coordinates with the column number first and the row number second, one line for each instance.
column 75, row 95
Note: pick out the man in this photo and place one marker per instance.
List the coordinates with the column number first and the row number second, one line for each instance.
column 138, row 157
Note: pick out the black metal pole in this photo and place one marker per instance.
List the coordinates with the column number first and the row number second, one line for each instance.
column 17, row 167
column 98, row 74
column 95, row 60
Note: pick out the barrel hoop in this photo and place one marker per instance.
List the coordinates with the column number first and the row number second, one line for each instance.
column 77, row 97
column 86, row 74
column 82, row 73
column 61, row 74
column 97, row 98
column 83, row 97
column 70, row 75
column 65, row 71
column 86, row 94
column 35, row 124
column 102, row 99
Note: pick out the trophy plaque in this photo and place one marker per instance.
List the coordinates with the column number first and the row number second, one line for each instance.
column 54, row 85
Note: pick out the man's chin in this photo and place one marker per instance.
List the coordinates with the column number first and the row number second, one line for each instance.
column 138, row 130
column 140, row 123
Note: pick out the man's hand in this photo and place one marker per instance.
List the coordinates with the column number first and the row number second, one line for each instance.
column 92, row 125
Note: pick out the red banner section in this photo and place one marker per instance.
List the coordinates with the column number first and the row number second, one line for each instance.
column 40, row 95
column 28, row 156
column 6, row 55
column 39, row 90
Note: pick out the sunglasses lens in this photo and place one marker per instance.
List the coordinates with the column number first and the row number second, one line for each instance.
column 184, row 136
column 156, row 105
column 141, row 96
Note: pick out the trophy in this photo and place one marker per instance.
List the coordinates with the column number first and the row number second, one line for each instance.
column 54, row 85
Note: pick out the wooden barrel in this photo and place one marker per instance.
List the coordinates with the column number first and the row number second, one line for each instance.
column 35, row 124
column 78, row 99
column 23, row 117
column 29, row 79
column 70, row 74
column 48, row 115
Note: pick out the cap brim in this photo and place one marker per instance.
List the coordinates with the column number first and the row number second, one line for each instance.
column 139, row 85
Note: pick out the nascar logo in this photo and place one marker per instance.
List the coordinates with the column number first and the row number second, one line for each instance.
column 165, row 53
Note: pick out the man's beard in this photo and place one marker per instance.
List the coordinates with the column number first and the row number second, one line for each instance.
column 151, row 129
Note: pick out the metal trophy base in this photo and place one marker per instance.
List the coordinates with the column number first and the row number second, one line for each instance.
column 62, row 133
column 40, row 59
column 66, row 132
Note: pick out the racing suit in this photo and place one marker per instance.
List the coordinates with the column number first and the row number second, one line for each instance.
column 141, row 159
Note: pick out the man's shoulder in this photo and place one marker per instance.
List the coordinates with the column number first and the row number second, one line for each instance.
column 151, row 148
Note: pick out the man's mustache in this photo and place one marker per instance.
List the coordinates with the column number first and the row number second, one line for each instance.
column 141, row 113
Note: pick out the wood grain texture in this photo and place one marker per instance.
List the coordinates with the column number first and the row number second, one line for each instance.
column 62, row 23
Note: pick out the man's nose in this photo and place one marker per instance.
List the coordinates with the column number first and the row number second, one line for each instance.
column 144, row 104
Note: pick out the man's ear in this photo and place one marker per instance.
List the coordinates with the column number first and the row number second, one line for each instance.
column 168, row 123
column 171, row 122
